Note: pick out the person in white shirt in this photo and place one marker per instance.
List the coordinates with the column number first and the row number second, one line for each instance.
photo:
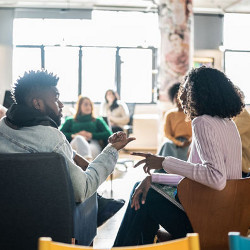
column 115, row 111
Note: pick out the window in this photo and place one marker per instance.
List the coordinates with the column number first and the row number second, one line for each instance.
column 136, row 75
column 237, row 69
column 63, row 61
column 237, row 53
column 98, row 72
column 114, row 50
column 25, row 59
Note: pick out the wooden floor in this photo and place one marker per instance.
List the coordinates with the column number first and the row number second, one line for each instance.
column 122, row 184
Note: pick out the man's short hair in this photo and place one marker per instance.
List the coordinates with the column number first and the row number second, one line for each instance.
column 31, row 84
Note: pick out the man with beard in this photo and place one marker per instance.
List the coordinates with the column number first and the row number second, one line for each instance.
column 31, row 126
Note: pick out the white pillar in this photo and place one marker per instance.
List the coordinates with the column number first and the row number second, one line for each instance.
column 175, row 22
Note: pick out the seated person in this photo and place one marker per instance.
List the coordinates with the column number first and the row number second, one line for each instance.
column 31, row 126
column 242, row 122
column 85, row 132
column 115, row 111
column 177, row 129
column 215, row 157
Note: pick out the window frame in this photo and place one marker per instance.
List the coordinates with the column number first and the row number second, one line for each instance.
column 118, row 62
column 233, row 51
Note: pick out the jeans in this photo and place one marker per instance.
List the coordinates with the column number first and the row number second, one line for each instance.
column 245, row 175
column 140, row 227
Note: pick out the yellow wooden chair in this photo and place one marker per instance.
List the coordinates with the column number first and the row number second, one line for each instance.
column 191, row 242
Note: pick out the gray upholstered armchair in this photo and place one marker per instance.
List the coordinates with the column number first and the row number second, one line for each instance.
column 37, row 199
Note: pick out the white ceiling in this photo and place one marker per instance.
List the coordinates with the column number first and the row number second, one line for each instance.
column 212, row 6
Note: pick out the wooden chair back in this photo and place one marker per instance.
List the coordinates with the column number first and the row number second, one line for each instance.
column 214, row 213
column 191, row 242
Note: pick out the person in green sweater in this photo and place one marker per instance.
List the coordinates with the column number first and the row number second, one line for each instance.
column 86, row 134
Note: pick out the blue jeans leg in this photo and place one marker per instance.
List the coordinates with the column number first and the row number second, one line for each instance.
column 140, row 227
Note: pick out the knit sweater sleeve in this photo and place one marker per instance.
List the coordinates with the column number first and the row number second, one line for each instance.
column 103, row 131
column 212, row 170
column 66, row 129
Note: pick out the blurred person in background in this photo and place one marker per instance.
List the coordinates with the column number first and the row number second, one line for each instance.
column 115, row 111
column 242, row 122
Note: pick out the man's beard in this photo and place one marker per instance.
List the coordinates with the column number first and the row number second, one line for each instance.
column 52, row 115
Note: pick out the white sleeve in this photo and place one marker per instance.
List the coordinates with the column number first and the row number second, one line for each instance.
column 85, row 183
column 103, row 109
column 212, row 170
column 123, row 119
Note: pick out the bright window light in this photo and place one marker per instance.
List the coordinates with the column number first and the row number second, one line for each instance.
column 98, row 72
column 25, row 59
column 136, row 75
column 63, row 61
column 56, row 43
column 237, row 69
column 236, row 31
column 237, row 53
column 106, row 28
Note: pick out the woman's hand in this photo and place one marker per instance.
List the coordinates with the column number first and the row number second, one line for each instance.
column 151, row 161
column 119, row 140
column 141, row 193
column 87, row 135
column 186, row 143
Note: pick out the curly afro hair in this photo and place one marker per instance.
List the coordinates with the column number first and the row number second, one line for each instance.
column 32, row 83
column 210, row 92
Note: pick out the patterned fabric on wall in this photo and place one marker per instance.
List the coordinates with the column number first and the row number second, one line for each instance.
column 175, row 22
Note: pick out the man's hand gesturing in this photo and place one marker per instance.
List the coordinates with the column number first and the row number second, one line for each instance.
column 119, row 140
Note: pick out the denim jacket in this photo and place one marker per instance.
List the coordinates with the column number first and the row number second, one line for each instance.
column 41, row 138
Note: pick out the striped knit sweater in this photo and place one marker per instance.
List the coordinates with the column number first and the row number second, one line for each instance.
column 215, row 154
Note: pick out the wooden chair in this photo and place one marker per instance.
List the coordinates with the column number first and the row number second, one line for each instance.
column 191, row 242
column 129, row 127
column 237, row 242
column 214, row 213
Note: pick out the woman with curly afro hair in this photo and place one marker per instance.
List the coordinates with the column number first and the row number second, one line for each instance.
column 209, row 92
column 210, row 100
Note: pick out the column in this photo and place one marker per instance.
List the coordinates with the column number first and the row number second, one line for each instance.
column 175, row 22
